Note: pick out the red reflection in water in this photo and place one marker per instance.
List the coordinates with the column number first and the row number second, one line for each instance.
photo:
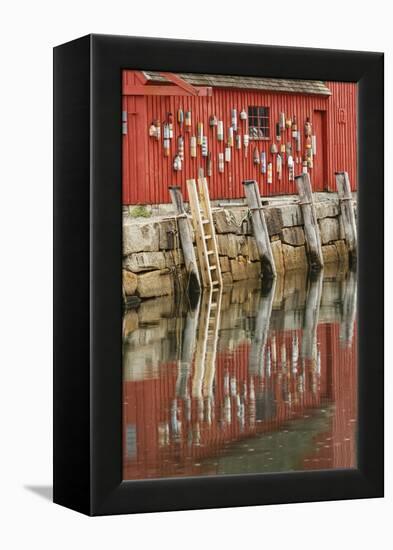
column 246, row 417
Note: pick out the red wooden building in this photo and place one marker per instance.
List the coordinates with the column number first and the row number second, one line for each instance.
column 165, row 114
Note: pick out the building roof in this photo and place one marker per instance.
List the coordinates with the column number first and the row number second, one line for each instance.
column 248, row 82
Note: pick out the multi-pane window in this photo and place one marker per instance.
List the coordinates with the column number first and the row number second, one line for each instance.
column 258, row 122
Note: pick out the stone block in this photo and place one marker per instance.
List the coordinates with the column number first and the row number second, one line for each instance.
column 277, row 256
column 154, row 283
column 293, row 235
column 167, row 235
column 329, row 230
column 130, row 322
column 291, row 215
column 224, row 264
column 238, row 269
column 273, row 220
column 227, row 279
column 330, row 254
column 326, row 209
column 138, row 237
column 129, row 282
column 145, row 261
column 342, row 252
column 228, row 245
column 253, row 270
column 294, row 257
column 253, row 254
column 225, row 221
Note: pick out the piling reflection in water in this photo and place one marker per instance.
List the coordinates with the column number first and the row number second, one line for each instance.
column 250, row 381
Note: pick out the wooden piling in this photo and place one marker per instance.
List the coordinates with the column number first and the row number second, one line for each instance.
column 311, row 316
column 261, row 234
column 347, row 213
column 262, row 324
column 194, row 283
column 311, row 228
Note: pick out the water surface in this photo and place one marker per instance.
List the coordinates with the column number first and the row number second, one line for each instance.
column 246, row 381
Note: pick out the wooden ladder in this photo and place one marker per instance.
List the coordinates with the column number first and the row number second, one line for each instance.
column 205, row 235
column 206, row 344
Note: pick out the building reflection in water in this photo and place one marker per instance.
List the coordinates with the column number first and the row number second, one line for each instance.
column 247, row 382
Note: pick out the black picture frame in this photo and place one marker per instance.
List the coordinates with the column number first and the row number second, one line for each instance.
column 87, row 275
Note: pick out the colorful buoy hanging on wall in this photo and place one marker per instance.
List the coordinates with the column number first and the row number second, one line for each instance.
column 221, row 162
column 187, row 121
column 220, row 130
column 193, row 146
column 263, row 162
column 269, row 173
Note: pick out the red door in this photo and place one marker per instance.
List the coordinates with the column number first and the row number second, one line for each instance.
column 318, row 176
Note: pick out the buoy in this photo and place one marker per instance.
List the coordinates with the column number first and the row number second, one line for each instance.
column 288, row 123
column 304, row 164
column 294, row 125
column 193, row 146
column 255, row 156
column 246, row 140
column 282, row 121
column 298, row 142
column 227, row 154
column 238, row 141
column 278, row 133
column 288, row 148
column 314, row 144
column 204, row 146
column 307, row 127
column 291, row 168
column 230, row 136
column 309, row 155
column 212, row 121
column 263, row 162
column 180, row 147
column 282, row 148
column 220, row 130
column 152, row 130
column 209, row 165
column 199, row 133
column 167, row 147
column 221, row 162
column 166, row 131
column 269, row 173
column 170, row 125
column 187, row 121
column 177, row 163
column 243, row 115
column 308, row 143
column 234, row 119
column 273, row 148
column 279, row 166
column 180, row 117
column 158, row 130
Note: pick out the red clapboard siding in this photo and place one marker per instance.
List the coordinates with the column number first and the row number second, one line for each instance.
column 147, row 174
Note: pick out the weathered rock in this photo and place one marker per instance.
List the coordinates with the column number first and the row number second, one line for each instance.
column 342, row 252
column 238, row 269
column 145, row 261
column 225, row 221
column 227, row 278
column 330, row 254
column 168, row 235
column 140, row 237
column 293, row 235
column 273, row 220
column 154, row 283
column 291, row 215
column 253, row 254
column 329, row 229
column 130, row 322
column 294, row 257
column 224, row 264
column 326, row 209
column 152, row 311
column 277, row 256
column 229, row 245
column 253, row 270
column 129, row 282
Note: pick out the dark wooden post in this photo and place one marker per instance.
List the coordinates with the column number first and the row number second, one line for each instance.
column 311, row 315
column 194, row 283
column 311, row 228
column 349, row 305
column 347, row 213
column 260, row 229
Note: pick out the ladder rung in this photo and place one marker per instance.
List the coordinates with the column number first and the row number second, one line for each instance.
column 211, row 267
column 215, row 283
column 209, row 252
column 205, row 221
column 208, row 236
